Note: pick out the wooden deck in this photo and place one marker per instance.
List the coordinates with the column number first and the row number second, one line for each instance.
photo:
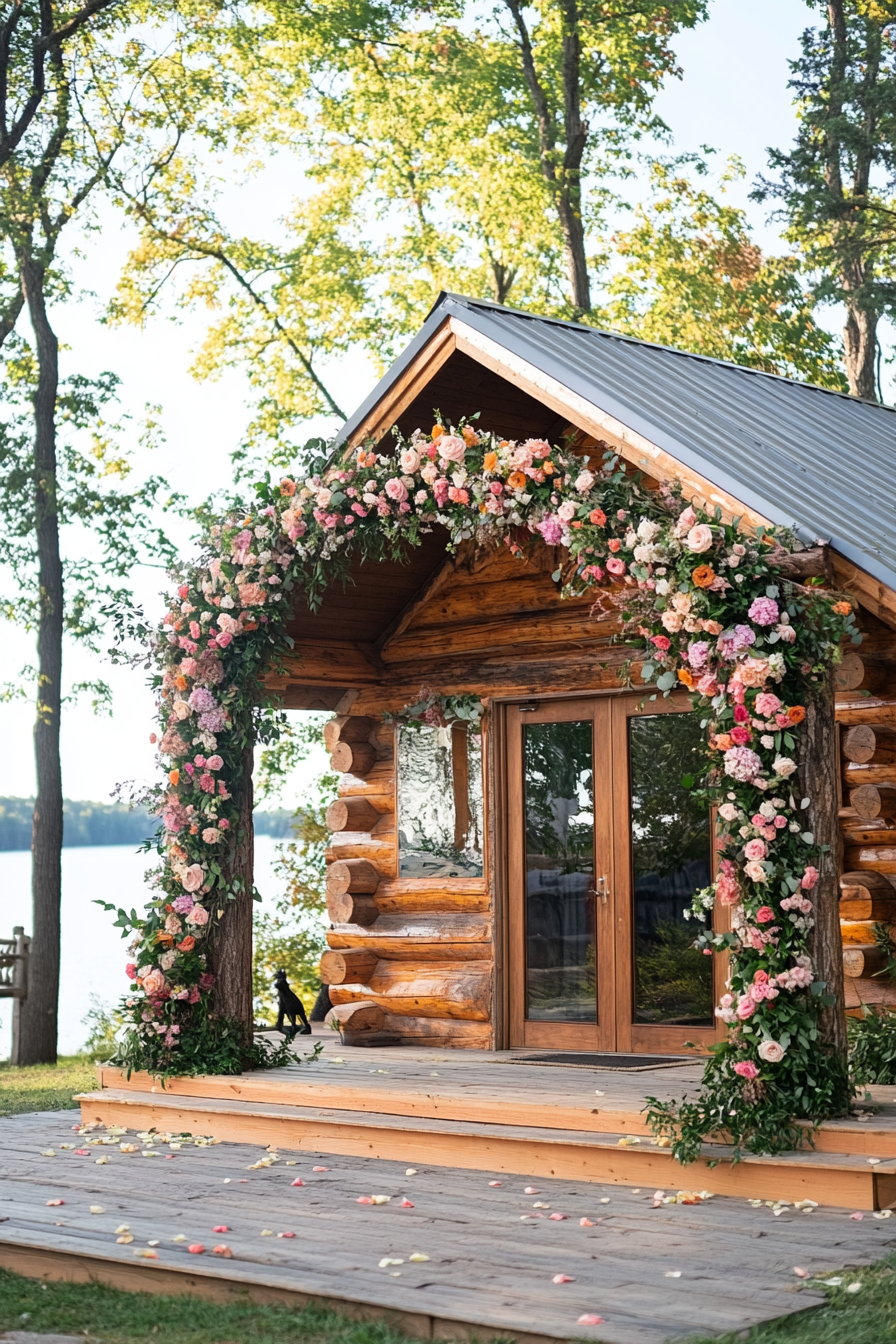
column 651, row 1273
column 487, row 1111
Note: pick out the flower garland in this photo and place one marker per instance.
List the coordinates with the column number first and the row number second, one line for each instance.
column 701, row 601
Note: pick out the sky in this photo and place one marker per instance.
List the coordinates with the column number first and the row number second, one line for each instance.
column 732, row 96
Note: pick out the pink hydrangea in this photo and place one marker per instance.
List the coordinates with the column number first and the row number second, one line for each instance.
column 182, row 904
column 767, row 704
column 201, row 699
column 213, row 720
column 763, row 610
column 733, row 642
column 741, row 763
column 698, row 654
column 552, row 531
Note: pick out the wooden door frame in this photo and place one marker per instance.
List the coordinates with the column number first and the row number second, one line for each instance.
column 505, row 833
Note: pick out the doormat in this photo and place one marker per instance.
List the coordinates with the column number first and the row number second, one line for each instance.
column 617, row 1063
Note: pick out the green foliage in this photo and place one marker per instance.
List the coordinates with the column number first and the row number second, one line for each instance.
column 212, row 1045
column 102, row 1023
column 45, row 1087
column 872, row 1046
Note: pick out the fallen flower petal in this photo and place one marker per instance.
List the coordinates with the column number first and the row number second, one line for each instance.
column 146, row 1254
column 857, row 1217
column 54, row 1203
column 152, row 1243
column 363, row 1199
column 854, row 1287
column 222, row 1228
column 197, row 1248
column 125, row 1240
column 180, row 1237
column 97, row 1208
column 800, row 1273
column 558, row 1217
column 322, row 1168
column 266, row 1232
column 493, row 1183
column 673, row 1273
column 411, row 1171
column 562, row 1278
column 380, row 1199
column 223, row 1250
column 418, row 1257
column 585, row 1222
column 405, row 1204
column 288, row 1235
column 387, row 1260
column 530, row 1190
column 298, row 1182
column 590, row 1318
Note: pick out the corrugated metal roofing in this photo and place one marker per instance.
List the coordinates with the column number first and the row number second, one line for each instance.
column 816, row 460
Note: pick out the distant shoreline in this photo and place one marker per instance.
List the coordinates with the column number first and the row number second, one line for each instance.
column 88, row 823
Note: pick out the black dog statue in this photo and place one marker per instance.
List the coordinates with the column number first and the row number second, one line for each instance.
column 291, row 1006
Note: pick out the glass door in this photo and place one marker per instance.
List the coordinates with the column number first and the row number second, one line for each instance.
column 561, row 916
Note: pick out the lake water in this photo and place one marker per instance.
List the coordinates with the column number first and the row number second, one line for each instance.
column 93, row 952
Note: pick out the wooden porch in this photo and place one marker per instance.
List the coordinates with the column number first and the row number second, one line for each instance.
column 490, row 1111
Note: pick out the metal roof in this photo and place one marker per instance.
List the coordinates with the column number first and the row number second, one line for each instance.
column 803, row 456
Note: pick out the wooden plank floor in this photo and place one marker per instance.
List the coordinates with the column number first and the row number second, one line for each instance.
column 491, row 1088
column 493, row 1252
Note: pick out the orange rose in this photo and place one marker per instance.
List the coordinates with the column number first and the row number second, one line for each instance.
column 796, row 713
column 490, row 462
column 437, row 431
column 703, row 576
column 721, row 742
column 842, row 608
column 548, row 468
column 598, row 517
column 516, row 480
column 174, row 776
column 287, row 487
column 471, row 438
column 181, row 682
column 186, row 944
column 685, row 676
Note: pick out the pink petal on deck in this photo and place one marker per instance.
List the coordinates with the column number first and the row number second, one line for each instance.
column 221, row 1250
column 222, row 1228
column 197, row 1248
column 54, row 1203
column 82, row 1152
column 297, row 1181
column 320, row 1168
column 559, row 1217
column 857, row 1217
column 530, row 1190
column 363, row 1199
column 405, row 1204
column 585, row 1222
column 288, row 1235
column 562, row 1278
column 590, row 1319
column 800, row 1273
column 494, row 1182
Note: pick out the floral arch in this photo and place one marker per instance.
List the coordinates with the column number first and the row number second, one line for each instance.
column 742, row 621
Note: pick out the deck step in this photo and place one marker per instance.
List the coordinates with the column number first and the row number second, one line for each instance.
column 831, row 1179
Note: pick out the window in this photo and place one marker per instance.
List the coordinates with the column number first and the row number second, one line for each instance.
column 439, row 802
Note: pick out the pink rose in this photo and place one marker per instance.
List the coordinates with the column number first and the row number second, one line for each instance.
column 771, row 1051
column 687, row 519
column 755, row 849
column 193, row 878
column 699, row 538
column 672, row 620
column 197, row 915
column 584, row 482
column 786, row 632
column 211, row 835
column 396, row 490
column 154, row 983
column 746, row 1007
column 740, row 736
column 214, row 763
column 617, row 566
column 566, row 511
column 765, row 914
column 767, row 704
column 809, row 878
column 173, row 925
column 746, row 1069
column 452, row 448
column 707, row 685
column 409, row 461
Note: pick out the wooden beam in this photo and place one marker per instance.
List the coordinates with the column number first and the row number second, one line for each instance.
column 403, row 391
column 873, row 595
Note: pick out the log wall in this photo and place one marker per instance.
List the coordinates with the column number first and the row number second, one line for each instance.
column 866, row 715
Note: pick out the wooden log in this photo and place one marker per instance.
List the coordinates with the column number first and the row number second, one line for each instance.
column 818, row 774
column 880, row 858
column 813, row 563
column 351, row 967
column 348, row 728
column 866, row 709
column 460, row 989
column 867, row 744
column 352, row 758
column 868, row 830
column 352, row 814
column 856, row 775
column 358, row 876
column 360, row 1015
column 858, row 932
column 864, row 885
column 869, row 800
column 879, row 909
column 857, row 673
column 863, row 961
column 346, row 908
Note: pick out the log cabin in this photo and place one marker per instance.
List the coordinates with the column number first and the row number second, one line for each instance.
column 522, row 885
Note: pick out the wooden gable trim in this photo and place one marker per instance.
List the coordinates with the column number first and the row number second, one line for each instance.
column 399, row 396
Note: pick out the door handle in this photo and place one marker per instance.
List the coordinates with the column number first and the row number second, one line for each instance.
column 601, row 890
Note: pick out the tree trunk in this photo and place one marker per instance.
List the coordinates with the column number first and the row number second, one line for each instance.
column 819, row 768
column 231, row 955
column 38, row 1024
column 860, row 351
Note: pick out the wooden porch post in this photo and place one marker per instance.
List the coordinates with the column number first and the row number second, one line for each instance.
column 231, row 955
column 819, row 773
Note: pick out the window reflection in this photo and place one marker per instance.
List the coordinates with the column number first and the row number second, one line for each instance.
column 439, row 802
column 670, row 861
column 559, row 803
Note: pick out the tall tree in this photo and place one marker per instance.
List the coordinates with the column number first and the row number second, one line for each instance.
column 836, row 184
column 689, row 273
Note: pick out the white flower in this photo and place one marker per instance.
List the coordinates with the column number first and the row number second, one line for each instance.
column 767, row 809
column 662, row 587
column 646, row 553
column 421, row 497
column 459, row 477
column 566, row 511
column 767, row 740
column 227, row 602
column 728, row 811
column 647, row 530
column 771, row 1051
column 776, row 666
column 783, row 766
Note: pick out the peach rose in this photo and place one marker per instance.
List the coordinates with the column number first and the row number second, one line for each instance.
column 410, row 461
column 251, row 594
column 452, row 448
column 197, row 916
column 672, row 620
column 755, row 871
column 752, row 672
column 154, row 983
column 699, row 538
column 193, row 877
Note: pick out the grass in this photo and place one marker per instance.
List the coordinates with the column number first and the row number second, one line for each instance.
column 99, row 1313
column 45, row 1087
column 107, row 1314
column 864, row 1317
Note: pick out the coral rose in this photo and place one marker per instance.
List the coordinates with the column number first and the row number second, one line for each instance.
column 746, row 1069
column 154, row 983
column 755, row 871
column 752, row 672
column 765, row 914
column 287, row 487
column 617, row 566
column 699, row 538
column 703, row 576
column 597, row 517
column 490, row 462
column 796, row 713
column 672, row 620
